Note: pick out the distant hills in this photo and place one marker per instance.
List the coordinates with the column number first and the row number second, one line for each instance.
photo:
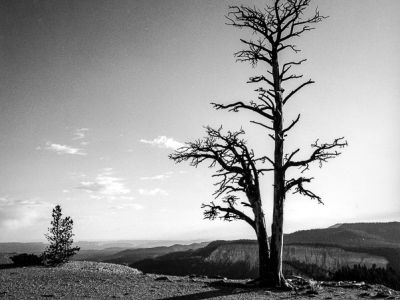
column 107, row 246
column 368, row 235
column 130, row 244
column 342, row 249
column 374, row 242
column 22, row 247
column 316, row 252
column 119, row 251
column 236, row 261
column 129, row 256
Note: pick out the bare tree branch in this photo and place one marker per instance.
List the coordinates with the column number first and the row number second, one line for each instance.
column 260, row 78
column 236, row 172
column 263, row 125
column 321, row 154
column 239, row 105
column 230, row 213
column 289, row 157
column 297, row 184
column 287, row 66
column 294, row 122
column 286, row 99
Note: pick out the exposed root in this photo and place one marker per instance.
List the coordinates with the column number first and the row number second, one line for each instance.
column 285, row 285
column 268, row 283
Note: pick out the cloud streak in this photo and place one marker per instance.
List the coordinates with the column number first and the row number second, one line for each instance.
column 157, row 177
column 62, row 149
column 80, row 133
column 105, row 184
column 134, row 206
column 163, row 142
column 153, row 192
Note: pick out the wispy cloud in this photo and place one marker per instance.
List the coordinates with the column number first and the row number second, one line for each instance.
column 80, row 133
column 157, row 177
column 163, row 142
column 105, row 184
column 62, row 149
column 20, row 213
column 153, row 192
column 6, row 201
column 135, row 206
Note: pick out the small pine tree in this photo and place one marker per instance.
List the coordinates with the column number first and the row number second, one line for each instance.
column 60, row 239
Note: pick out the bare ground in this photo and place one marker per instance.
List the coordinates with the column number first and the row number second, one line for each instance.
column 88, row 280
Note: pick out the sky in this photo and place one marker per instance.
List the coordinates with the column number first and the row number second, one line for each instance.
column 95, row 94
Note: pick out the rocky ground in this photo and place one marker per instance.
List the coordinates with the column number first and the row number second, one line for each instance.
column 89, row 280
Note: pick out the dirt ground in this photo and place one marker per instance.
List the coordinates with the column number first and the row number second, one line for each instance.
column 87, row 280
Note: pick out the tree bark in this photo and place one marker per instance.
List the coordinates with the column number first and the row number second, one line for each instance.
column 262, row 239
column 277, row 242
column 279, row 180
column 264, row 270
column 277, row 224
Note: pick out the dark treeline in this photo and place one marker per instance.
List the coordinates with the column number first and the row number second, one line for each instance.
column 296, row 267
column 374, row 275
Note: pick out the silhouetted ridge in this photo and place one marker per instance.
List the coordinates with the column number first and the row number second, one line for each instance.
column 390, row 231
column 350, row 235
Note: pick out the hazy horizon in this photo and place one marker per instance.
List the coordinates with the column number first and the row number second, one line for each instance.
column 94, row 95
column 180, row 240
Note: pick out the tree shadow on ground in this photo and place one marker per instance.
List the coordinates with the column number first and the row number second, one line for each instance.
column 8, row 266
column 203, row 295
column 222, row 289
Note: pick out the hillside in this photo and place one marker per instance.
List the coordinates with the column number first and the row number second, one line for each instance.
column 355, row 235
column 133, row 255
column 96, row 255
column 121, row 252
column 37, row 247
column 128, row 256
column 239, row 259
column 377, row 239
column 129, row 244
column 22, row 247
column 317, row 253
column 198, row 261
column 390, row 232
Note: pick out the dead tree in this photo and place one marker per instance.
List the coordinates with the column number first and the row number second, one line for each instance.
column 236, row 172
column 273, row 32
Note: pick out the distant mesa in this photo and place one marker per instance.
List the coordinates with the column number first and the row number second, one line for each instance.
column 315, row 253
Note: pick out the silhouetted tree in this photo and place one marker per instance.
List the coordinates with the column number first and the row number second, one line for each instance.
column 273, row 31
column 236, row 172
column 60, row 239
